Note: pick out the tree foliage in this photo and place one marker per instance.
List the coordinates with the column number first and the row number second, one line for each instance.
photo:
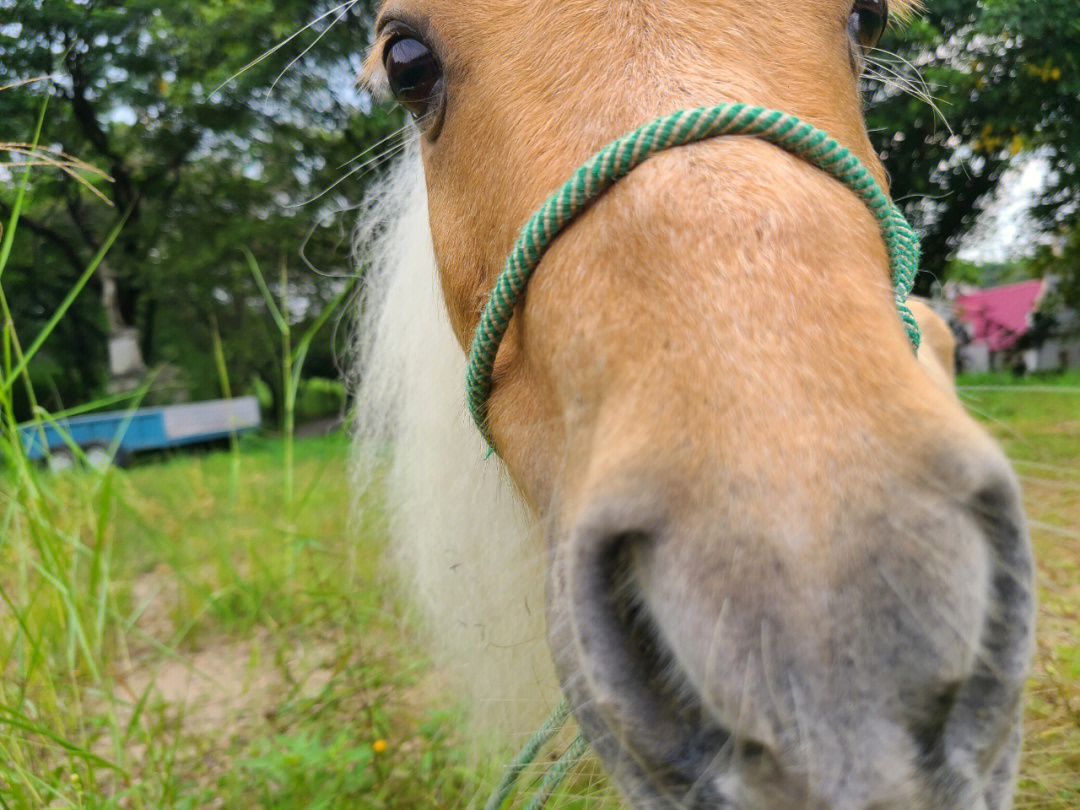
column 1061, row 263
column 1004, row 77
column 208, row 156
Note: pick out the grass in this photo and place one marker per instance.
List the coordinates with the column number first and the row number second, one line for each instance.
column 1041, row 433
column 172, row 636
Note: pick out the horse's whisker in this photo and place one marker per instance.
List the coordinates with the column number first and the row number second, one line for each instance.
column 362, row 170
column 279, row 46
column 911, row 82
column 398, row 133
column 344, row 10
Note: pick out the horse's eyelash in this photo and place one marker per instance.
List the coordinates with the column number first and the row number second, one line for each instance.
column 373, row 74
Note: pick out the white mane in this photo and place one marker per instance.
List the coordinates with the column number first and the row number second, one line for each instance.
column 470, row 555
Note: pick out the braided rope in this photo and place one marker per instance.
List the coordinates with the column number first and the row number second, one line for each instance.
column 620, row 157
column 557, row 772
column 538, row 740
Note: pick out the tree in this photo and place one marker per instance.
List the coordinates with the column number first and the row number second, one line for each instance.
column 1060, row 311
column 1005, row 76
column 134, row 86
column 203, row 171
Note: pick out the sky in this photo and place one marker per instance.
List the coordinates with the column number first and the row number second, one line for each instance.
column 1006, row 230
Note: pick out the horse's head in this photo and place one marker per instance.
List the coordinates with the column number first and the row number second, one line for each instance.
column 786, row 569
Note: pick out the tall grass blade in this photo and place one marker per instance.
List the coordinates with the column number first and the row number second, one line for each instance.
column 20, row 195
column 65, row 305
column 328, row 311
column 268, row 296
column 8, row 718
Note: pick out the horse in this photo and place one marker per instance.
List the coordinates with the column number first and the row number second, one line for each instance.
column 733, row 518
column 938, row 355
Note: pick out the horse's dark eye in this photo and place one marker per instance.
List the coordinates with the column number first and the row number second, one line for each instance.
column 415, row 77
column 867, row 22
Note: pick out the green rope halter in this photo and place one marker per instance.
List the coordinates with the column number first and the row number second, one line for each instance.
column 620, row 157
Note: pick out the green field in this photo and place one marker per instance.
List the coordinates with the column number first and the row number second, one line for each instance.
column 188, row 633
column 173, row 637
column 1040, row 430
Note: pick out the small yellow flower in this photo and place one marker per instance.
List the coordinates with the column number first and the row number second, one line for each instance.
column 74, row 778
column 1055, row 74
column 379, row 746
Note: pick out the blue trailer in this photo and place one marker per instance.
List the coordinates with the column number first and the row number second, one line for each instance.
column 129, row 432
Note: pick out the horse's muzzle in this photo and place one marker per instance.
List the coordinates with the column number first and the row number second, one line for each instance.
column 877, row 668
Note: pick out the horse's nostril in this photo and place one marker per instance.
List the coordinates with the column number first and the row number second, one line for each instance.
column 750, row 749
column 966, row 729
column 982, row 479
column 998, row 497
column 628, row 692
column 928, row 726
column 620, row 641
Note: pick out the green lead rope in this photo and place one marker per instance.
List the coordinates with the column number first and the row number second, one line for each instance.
column 603, row 170
column 538, row 740
column 555, row 774
column 620, row 157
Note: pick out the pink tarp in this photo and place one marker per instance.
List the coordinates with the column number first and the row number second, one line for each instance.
column 1000, row 315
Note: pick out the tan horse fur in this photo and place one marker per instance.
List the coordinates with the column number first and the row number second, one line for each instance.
column 938, row 350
